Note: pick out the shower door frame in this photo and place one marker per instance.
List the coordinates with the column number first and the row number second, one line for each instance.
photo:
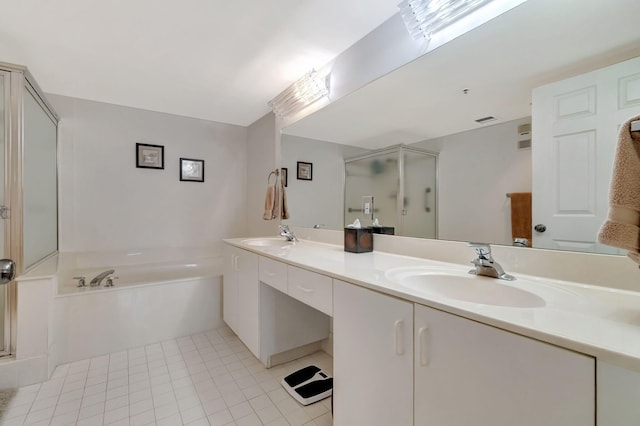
column 10, row 299
column 19, row 81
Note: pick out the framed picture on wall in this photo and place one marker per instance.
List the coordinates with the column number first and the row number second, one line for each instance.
column 149, row 156
column 305, row 171
column 191, row 170
column 283, row 176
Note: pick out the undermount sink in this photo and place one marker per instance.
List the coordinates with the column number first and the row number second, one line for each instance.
column 267, row 242
column 460, row 285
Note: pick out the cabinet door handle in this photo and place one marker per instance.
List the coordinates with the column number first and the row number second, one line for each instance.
column 235, row 262
column 399, row 337
column 270, row 274
column 424, row 345
column 306, row 290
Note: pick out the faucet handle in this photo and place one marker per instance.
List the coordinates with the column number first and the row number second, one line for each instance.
column 81, row 282
column 483, row 250
column 284, row 228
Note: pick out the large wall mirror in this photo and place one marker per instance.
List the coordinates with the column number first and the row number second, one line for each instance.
column 491, row 74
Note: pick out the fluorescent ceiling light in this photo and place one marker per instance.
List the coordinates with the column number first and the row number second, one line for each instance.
column 307, row 90
column 426, row 17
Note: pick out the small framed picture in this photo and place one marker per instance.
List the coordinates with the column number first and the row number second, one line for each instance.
column 149, row 156
column 283, row 176
column 305, row 170
column 191, row 170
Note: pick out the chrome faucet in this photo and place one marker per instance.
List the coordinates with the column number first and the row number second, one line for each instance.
column 485, row 265
column 285, row 232
column 101, row 276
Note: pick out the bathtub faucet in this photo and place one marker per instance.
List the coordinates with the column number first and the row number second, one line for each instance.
column 101, row 276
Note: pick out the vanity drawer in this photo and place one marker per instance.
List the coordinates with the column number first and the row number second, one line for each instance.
column 273, row 273
column 312, row 289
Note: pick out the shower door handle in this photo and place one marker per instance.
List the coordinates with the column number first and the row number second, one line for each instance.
column 4, row 212
column 7, row 271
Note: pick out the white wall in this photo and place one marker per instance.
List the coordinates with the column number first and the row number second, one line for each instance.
column 320, row 200
column 106, row 203
column 476, row 169
column 262, row 157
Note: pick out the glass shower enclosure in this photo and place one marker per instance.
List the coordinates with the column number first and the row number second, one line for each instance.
column 28, row 192
column 403, row 183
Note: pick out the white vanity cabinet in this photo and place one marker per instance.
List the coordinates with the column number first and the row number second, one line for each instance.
column 241, row 296
column 460, row 372
column 467, row 373
column 372, row 358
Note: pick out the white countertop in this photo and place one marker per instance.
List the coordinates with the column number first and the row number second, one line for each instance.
column 597, row 321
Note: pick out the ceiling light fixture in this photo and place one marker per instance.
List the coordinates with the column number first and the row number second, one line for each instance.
column 426, row 17
column 307, row 90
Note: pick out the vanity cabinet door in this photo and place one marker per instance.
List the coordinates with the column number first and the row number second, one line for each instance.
column 467, row 373
column 249, row 301
column 372, row 358
column 618, row 395
column 241, row 296
column 230, row 287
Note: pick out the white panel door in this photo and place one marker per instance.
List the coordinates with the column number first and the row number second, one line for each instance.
column 467, row 373
column 372, row 358
column 575, row 133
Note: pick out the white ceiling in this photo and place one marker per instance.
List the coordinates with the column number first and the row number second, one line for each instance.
column 500, row 62
column 210, row 59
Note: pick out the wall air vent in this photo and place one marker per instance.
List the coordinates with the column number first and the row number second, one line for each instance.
column 486, row 119
column 524, row 144
column 524, row 136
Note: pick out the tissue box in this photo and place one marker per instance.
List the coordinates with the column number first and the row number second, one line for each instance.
column 358, row 240
column 390, row 230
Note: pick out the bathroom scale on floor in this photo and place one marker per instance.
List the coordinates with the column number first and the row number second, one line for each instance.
column 308, row 385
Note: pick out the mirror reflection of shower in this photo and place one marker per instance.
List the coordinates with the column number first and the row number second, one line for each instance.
column 403, row 182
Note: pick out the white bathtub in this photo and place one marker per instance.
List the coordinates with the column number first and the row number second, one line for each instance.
column 160, row 295
column 142, row 274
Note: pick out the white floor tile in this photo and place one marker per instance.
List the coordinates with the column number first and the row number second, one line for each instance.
column 206, row 379
column 174, row 420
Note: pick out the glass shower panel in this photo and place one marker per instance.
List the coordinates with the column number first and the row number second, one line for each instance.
column 376, row 176
column 419, row 208
column 40, row 223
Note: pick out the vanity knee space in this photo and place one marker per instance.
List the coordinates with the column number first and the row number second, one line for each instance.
column 277, row 317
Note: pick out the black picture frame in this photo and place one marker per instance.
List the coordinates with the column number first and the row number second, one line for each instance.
column 191, row 170
column 305, row 171
column 284, row 172
column 149, row 156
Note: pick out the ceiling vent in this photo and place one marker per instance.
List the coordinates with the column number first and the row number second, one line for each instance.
column 486, row 119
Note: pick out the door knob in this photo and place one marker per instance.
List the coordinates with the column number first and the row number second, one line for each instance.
column 540, row 228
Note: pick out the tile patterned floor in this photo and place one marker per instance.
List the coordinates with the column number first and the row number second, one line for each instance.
column 204, row 379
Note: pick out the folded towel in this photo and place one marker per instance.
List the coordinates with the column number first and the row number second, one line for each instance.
column 521, row 222
column 285, row 206
column 622, row 227
column 269, row 203
column 277, row 201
